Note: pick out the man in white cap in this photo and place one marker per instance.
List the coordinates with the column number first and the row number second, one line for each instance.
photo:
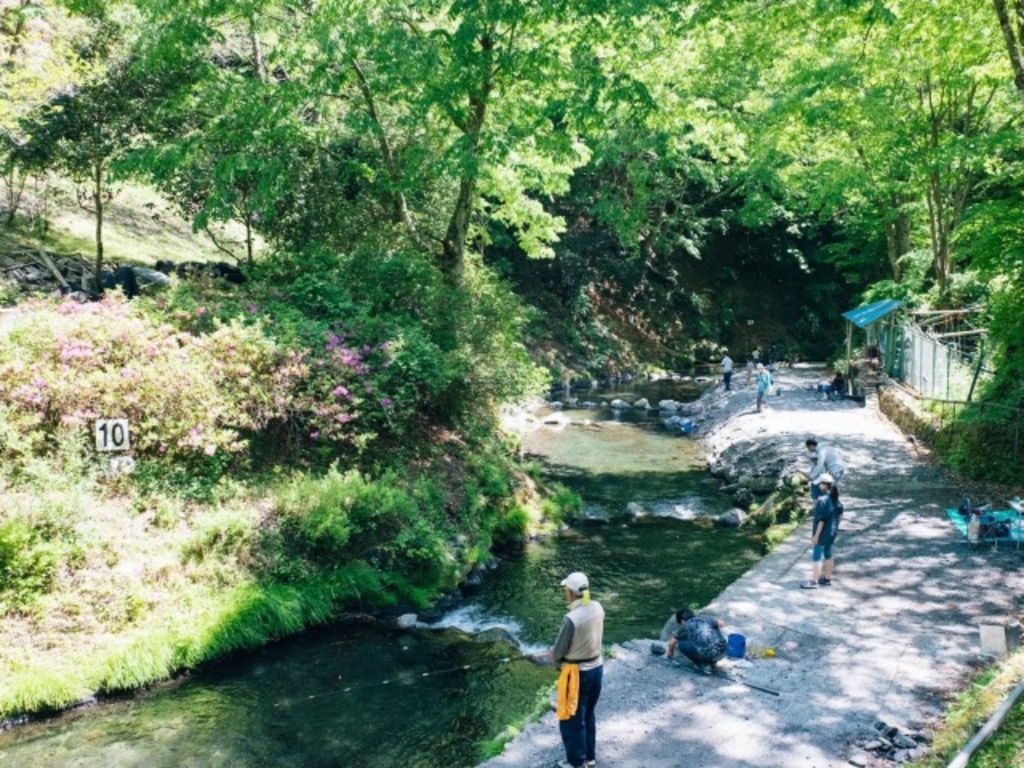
column 578, row 650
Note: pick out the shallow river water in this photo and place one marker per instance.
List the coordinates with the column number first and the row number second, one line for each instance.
column 363, row 693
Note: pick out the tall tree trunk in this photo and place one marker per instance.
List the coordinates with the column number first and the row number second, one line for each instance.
column 453, row 246
column 97, row 199
column 398, row 201
column 897, row 236
column 1013, row 40
column 259, row 65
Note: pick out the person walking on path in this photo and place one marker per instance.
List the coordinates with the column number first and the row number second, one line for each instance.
column 579, row 651
column 826, row 460
column 726, row 370
column 764, row 383
column 824, row 527
column 699, row 638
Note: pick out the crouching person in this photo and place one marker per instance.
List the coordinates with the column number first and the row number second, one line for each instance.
column 699, row 638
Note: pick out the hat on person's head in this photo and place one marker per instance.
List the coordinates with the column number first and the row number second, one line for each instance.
column 825, row 477
column 576, row 582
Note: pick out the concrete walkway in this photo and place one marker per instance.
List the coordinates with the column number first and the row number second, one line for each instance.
column 889, row 641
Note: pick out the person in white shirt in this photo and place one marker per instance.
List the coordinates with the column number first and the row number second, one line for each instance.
column 727, row 370
column 826, row 459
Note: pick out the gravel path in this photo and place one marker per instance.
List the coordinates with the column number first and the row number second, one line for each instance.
column 889, row 641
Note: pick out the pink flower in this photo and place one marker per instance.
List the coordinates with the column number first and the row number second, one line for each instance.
column 314, row 435
column 210, row 450
column 163, row 448
column 201, row 311
column 340, row 391
column 387, row 402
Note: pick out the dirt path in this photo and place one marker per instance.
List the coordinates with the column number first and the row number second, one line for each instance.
column 895, row 634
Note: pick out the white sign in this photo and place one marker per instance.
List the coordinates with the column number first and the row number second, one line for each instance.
column 112, row 435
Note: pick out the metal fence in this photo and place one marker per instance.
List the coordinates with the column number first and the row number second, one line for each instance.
column 992, row 433
column 937, row 369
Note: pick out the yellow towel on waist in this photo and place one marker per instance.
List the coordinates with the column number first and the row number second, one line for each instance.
column 568, row 691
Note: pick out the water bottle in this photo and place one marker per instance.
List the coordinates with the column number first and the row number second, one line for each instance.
column 972, row 529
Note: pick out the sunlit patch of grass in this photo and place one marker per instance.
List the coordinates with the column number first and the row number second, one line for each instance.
column 969, row 710
column 139, row 227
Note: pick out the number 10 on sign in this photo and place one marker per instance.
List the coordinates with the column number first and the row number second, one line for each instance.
column 112, row 435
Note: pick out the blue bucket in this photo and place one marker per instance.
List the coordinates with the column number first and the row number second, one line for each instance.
column 736, row 646
column 686, row 427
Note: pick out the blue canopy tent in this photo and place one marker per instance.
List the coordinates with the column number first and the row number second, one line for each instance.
column 878, row 320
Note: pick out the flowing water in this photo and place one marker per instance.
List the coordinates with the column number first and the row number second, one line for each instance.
column 363, row 693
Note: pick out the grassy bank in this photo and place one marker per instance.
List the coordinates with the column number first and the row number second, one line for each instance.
column 116, row 587
column 971, row 709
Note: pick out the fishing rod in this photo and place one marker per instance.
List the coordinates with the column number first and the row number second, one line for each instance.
column 724, row 676
column 421, row 675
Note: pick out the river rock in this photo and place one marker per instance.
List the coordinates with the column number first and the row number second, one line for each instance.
column 497, row 635
column 635, row 509
column 555, row 404
column 657, row 649
column 407, row 620
column 903, row 742
column 556, row 420
column 673, row 421
column 642, row 404
column 668, row 405
column 743, row 497
column 758, row 484
column 619, row 405
column 734, row 518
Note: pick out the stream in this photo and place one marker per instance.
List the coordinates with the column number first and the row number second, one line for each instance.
column 365, row 693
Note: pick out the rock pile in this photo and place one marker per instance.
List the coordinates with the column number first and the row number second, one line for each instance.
column 891, row 744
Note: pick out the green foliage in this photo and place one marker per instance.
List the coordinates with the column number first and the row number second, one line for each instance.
column 28, row 563
column 561, row 504
column 347, row 518
column 512, row 527
column 35, row 543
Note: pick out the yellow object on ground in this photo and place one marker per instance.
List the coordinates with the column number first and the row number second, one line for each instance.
column 769, row 652
column 568, row 691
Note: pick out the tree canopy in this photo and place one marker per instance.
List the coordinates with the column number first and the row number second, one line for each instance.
column 656, row 157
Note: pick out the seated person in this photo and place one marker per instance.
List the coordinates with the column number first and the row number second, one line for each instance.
column 700, row 639
column 832, row 389
column 873, row 356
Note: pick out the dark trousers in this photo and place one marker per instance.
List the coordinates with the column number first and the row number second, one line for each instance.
column 690, row 652
column 579, row 732
column 727, row 378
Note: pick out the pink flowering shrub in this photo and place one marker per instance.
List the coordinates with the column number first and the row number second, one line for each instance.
column 185, row 395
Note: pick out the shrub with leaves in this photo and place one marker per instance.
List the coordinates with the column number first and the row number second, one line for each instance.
column 187, row 397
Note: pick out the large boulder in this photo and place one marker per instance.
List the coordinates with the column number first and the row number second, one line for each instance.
column 734, row 518
column 497, row 635
column 642, row 404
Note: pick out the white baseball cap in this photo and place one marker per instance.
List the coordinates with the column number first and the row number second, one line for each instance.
column 576, row 582
column 825, row 477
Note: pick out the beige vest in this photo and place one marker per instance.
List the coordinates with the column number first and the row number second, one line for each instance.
column 588, row 633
